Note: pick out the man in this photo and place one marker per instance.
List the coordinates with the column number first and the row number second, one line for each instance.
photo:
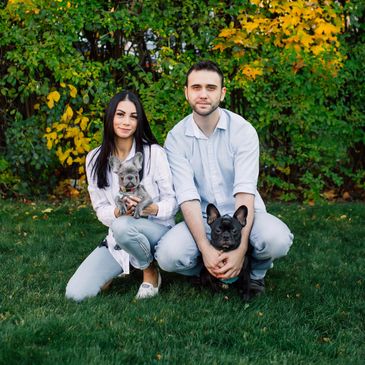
column 214, row 158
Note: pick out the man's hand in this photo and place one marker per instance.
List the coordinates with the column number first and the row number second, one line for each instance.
column 212, row 258
column 232, row 264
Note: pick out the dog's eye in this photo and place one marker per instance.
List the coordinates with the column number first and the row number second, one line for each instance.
column 218, row 231
column 234, row 230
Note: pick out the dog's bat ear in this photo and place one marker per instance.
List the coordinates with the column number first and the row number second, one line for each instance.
column 137, row 160
column 114, row 163
column 241, row 214
column 212, row 213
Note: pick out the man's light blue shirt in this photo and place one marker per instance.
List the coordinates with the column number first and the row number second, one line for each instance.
column 213, row 169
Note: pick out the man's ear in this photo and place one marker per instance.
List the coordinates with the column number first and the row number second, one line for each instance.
column 223, row 93
column 114, row 163
column 212, row 213
column 186, row 92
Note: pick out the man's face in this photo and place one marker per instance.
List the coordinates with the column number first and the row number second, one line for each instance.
column 204, row 92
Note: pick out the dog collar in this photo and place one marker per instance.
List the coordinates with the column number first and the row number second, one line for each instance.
column 229, row 281
column 128, row 190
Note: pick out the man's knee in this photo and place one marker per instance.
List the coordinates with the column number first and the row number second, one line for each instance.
column 176, row 251
column 274, row 243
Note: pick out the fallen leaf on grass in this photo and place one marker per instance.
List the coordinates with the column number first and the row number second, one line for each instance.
column 330, row 194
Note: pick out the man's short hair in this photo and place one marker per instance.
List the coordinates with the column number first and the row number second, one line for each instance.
column 207, row 66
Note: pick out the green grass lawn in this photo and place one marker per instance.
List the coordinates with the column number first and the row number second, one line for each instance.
column 313, row 312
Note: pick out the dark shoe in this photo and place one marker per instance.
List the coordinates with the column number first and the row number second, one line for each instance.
column 257, row 287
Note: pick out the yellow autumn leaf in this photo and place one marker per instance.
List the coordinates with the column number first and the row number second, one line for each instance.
column 84, row 122
column 60, row 127
column 227, row 32
column 69, row 161
column 52, row 135
column 62, row 84
column 52, row 97
column 251, row 72
column 74, row 132
column 36, row 106
column 50, row 104
column 67, row 115
column 73, row 91
column 55, row 95
column 62, row 155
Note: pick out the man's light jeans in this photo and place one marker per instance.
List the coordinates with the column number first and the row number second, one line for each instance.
column 270, row 239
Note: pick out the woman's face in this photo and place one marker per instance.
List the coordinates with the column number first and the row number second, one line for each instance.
column 125, row 120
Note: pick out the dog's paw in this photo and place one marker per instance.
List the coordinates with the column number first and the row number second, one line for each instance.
column 137, row 214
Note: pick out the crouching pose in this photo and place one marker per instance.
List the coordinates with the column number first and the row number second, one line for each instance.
column 129, row 155
column 214, row 158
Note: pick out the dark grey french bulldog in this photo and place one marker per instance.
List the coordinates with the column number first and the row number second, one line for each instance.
column 128, row 174
column 226, row 236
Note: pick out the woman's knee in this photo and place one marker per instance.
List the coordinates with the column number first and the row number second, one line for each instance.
column 77, row 292
column 120, row 226
column 123, row 229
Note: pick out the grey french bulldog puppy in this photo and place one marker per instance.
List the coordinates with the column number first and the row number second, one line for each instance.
column 226, row 236
column 128, row 174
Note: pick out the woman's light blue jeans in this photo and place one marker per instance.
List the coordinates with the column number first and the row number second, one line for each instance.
column 270, row 239
column 138, row 237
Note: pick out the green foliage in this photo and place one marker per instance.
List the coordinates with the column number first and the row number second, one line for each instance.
column 28, row 157
column 310, row 122
column 8, row 181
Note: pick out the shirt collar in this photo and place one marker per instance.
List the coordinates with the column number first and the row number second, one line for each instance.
column 192, row 130
column 132, row 152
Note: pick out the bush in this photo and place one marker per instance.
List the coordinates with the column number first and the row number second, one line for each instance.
column 29, row 159
column 62, row 61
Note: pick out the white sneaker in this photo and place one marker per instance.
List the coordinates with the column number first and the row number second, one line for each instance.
column 147, row 290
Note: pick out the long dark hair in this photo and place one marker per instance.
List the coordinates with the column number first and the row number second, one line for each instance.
column 142, row 136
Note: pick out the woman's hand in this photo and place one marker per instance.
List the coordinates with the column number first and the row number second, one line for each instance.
column 131, row 202
column 152, row 209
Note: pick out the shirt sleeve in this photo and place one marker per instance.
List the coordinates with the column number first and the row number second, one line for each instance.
column 182, row 173
column 167, row 205
column 100, row 198
column 246, row 161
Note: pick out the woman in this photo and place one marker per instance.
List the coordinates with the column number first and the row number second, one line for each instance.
column 130, row 240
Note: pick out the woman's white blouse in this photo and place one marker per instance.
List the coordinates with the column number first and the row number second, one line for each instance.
column 157, row 180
